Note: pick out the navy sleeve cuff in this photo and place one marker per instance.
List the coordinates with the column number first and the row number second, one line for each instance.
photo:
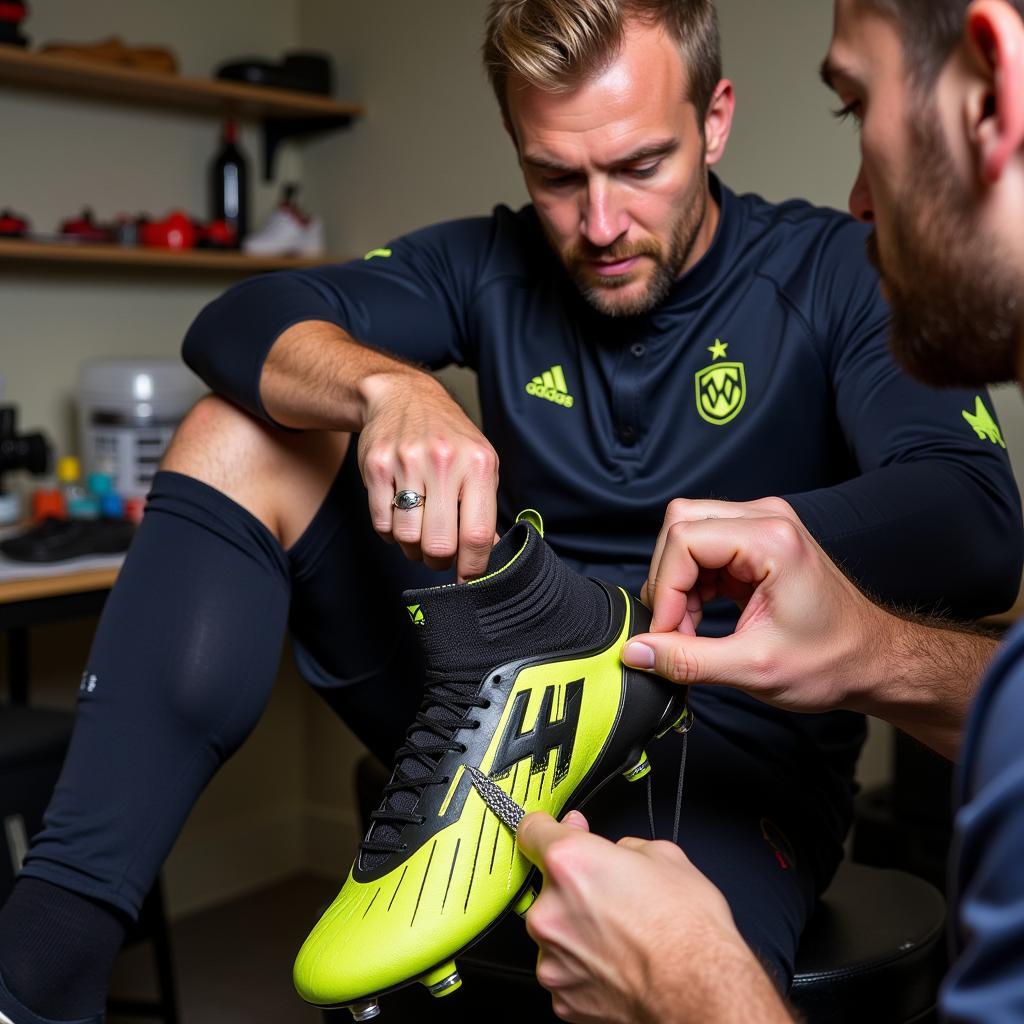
column 228, row 342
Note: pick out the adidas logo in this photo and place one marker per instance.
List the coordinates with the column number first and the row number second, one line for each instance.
column 550, row 386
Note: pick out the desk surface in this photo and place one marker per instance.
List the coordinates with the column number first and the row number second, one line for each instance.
column 54, row 586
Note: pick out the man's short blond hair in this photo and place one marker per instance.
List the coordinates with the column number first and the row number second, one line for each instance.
column 557, row 44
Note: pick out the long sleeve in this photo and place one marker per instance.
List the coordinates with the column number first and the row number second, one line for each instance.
column 408, row 298
column 932, row 491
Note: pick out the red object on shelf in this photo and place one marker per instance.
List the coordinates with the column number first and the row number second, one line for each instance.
column 175, row 231
column 218, row 234
column 84, row 228
column 12, row 12
column 48, row 504
column 12, row 226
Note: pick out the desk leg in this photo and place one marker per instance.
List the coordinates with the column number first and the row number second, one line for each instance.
column 17, row 664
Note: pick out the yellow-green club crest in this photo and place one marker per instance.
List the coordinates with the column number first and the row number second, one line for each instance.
column 721, row 388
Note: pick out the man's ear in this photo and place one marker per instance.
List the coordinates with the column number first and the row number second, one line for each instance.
column 718, row 122
column 994, row 34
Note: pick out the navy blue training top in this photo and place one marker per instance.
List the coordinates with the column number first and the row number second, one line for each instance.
column 764, row 372
column 986, row 985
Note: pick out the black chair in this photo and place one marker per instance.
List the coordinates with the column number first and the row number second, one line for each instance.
column 33, row 743
column 873, row 951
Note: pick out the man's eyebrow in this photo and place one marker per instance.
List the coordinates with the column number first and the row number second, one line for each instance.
column 544, row 164
column 648, row 152
column 827, row 73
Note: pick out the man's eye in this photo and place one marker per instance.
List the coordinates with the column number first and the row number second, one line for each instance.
column 558, row 180
column 644, row 171
column 852, row 109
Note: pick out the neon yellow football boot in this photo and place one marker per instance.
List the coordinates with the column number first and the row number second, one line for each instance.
column 524, row 682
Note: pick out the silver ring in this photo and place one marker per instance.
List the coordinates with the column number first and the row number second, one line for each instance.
column 406, row 500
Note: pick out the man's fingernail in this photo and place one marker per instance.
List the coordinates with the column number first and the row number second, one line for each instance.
column 575, row 820
column 638, row 655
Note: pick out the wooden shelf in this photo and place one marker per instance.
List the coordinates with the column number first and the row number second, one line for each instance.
column 85, row 77
column 17, row 251
column 284, row 113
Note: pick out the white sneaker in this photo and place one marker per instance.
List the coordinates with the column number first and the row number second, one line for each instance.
column 313, row 238
column 286, row 234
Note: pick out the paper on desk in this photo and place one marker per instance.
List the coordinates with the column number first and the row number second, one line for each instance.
column 11, row 570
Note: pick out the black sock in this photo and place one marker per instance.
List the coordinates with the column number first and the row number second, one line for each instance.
column 529, row 602
column 57, row 949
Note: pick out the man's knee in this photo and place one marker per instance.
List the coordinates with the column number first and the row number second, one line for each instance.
column 217, row 443
column 281, row 477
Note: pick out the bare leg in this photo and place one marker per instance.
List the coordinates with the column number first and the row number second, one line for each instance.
column 279, row 477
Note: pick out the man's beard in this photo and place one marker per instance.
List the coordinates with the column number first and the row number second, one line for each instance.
column 667, row 265
column 955, row 319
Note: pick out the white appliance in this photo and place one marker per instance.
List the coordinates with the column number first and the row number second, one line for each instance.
column 128, row 410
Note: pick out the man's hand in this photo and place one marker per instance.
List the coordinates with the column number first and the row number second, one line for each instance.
column 416, row 437
column 631, row 933
column 800, row 640
column 412, row 436
column 807, row 639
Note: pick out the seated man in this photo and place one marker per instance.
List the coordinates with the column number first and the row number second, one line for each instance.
column 639, row 333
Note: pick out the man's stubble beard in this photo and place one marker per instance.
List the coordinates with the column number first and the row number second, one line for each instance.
column 955, row 314
column 667, row 267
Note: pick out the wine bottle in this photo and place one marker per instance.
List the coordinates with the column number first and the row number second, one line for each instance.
column 229, row 184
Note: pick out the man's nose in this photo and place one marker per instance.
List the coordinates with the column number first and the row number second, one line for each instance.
column 861, row 204
column 603, row 220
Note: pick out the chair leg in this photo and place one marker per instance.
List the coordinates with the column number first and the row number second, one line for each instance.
column 152, row 927
column 163, row 956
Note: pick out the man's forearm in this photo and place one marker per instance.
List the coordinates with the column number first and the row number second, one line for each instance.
column 922, row 677
column 730, row 987
column 317, row 377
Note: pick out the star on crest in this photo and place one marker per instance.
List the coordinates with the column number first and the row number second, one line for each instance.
column 718, row 350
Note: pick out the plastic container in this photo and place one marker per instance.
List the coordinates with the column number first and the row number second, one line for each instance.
column 101, row 484
column 48, row 503
column 10, row 509
column 134, row 509
column 128, row 410
column 111, row 505
column 80, row 504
